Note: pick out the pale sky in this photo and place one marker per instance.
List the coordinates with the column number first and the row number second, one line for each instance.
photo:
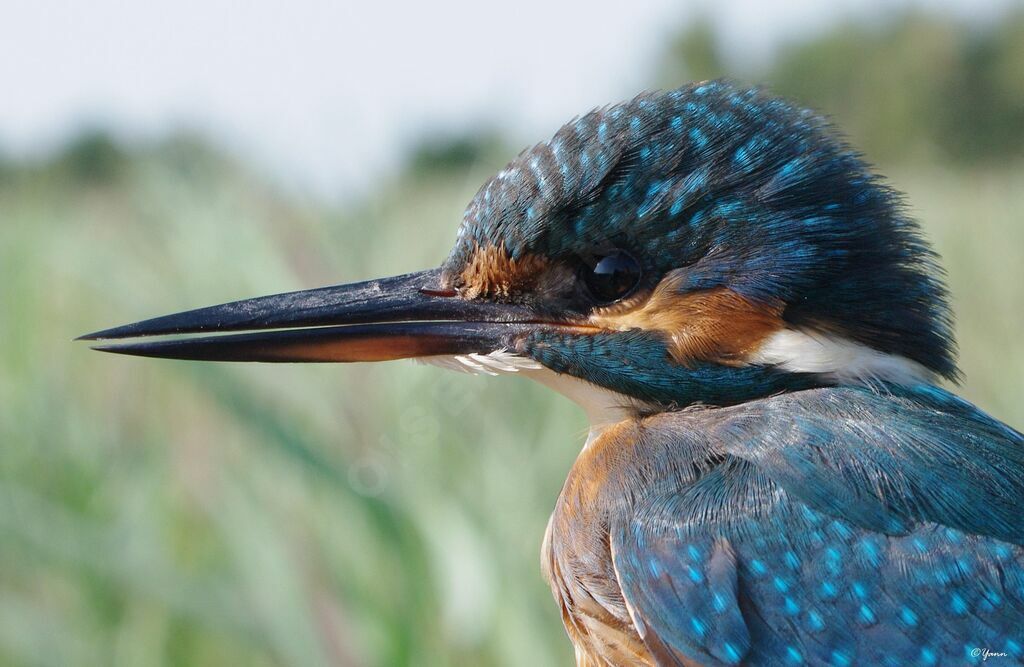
column 324, row 95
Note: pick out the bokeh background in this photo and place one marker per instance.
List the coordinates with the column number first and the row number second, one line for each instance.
column 155, row 158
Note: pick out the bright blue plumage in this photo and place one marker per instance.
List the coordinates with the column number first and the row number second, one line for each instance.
column 832, row 526
column 734, row 188
column 755, row 326
column 814, row 518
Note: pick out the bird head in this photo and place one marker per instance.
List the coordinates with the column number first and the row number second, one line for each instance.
column 711, row 244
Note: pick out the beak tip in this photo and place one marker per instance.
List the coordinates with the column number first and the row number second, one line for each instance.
column 127, row 331
column 104, row 348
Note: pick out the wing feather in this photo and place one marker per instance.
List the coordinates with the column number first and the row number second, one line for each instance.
column 843, row 526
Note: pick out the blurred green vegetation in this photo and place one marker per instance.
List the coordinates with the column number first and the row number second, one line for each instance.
column 162, row 513
column 186, row 514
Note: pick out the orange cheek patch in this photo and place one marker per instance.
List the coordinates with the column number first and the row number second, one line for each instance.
column 710, row 325
column 492, row 272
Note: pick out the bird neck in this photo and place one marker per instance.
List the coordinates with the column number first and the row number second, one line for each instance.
column 637, row 365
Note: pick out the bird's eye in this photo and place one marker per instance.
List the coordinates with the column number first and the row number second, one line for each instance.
column 612, row 277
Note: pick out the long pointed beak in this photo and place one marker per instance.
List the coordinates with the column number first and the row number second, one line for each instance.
column 391, row 318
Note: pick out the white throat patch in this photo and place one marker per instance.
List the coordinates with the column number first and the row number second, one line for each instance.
column 836, row 358
column 493, row 363
column 603, row 406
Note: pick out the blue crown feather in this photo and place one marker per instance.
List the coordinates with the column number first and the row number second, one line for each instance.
column 735, row 188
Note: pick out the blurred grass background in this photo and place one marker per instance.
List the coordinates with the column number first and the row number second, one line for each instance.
column 175, row 513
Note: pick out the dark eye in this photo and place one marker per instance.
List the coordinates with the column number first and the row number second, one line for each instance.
column 613, row 277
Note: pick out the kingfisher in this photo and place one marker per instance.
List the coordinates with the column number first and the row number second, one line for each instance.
column 757, row 331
